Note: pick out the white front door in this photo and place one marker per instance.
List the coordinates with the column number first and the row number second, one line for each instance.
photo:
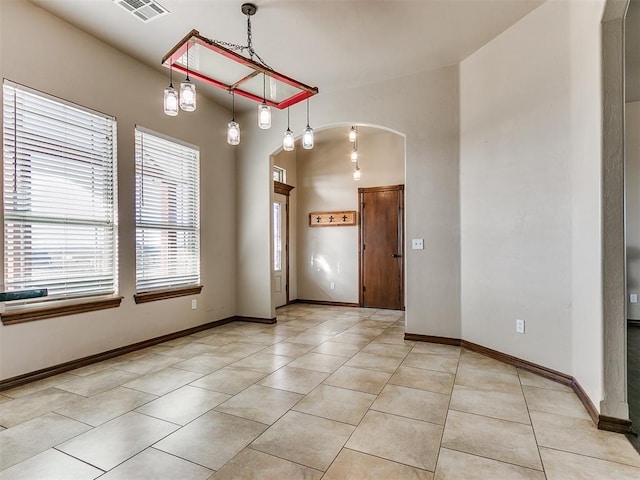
column 279, row 218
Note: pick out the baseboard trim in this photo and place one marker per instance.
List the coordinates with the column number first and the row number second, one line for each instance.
column 99, row 357
column 325, row 302
column 591, row 408
column 432, row 339
column 268, row 321
column 554, row 375
column 611, row 424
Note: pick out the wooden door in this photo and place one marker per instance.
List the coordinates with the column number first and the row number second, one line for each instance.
column 381, row 247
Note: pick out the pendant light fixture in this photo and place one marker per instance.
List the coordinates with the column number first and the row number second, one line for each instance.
column 288, row 141
column 356, row 173
column 215, row 57
column 171, row 100
column 353, row 134
column 354, row 151
column 233, row 129
column 187, row 91
column 264, row 111
column 307, row 136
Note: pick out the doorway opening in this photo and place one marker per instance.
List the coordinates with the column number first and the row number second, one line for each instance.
column 632, row 211
column 323, row 260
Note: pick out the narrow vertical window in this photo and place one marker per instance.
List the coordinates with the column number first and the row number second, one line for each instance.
column 59, row 192
column 167, row 212
column 277, row 236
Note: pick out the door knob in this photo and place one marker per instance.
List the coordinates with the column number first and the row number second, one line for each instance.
column 396, row 255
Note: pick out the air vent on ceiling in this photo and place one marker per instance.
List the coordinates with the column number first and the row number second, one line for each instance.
column 145, row 10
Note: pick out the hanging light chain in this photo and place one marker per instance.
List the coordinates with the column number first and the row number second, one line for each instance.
column 249, row 37
column 248, row 47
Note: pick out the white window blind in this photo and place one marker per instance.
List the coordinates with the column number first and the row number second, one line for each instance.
column 59, row 195
column 167, row 212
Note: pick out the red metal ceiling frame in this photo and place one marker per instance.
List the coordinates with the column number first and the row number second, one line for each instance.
column 194, row 37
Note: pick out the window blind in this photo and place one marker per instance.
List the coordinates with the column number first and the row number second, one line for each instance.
column 167, row 212
column 59, row 195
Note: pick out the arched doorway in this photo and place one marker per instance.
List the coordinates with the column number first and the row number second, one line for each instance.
column 323, row 262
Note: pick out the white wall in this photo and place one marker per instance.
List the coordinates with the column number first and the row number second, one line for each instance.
column 530, row 191
column 40, row 51
column 424, row 108
column 325, row 183
column 632, row 180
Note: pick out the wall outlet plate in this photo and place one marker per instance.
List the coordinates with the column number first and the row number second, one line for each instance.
column 519, row 326
column 417, row 244
column 194, row 304
column 633, row 298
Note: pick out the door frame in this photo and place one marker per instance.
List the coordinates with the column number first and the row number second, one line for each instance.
column 361, row 206
column 284, row 189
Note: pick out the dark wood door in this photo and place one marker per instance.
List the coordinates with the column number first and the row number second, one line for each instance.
column 381, row 247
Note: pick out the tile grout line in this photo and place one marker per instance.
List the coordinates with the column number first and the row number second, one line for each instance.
column 533, row 430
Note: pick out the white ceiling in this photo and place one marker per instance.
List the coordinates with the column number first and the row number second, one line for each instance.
column 333, row 45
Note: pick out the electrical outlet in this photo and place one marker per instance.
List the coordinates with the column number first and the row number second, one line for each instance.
column 194, row 304
column 519, row 326
column 633, row 298
column 417, row 244
column 332, row 286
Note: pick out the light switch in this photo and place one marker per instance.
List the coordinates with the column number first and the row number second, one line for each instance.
column 633, row 298
column 417, row 244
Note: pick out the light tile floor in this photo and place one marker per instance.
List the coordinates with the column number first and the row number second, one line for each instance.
column 327, row 392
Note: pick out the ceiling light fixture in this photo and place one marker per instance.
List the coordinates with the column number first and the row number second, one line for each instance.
column 222, row 65
column 307, row 136
column 352, row 134
column 171, row 100
column 264, row 111
column 288, row 141
column 354, row 151
column 353, row 137
column 233, row 129
column 187, row 91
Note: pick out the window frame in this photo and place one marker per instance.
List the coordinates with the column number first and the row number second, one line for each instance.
column 144, row 293
column 105, row 217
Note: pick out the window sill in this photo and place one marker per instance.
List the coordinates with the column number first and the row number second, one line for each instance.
column 63, row 308
column 144, row 297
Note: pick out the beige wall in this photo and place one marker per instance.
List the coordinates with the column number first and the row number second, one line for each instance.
column 530, row 191
column 632, row 179
column 325, row 183
column 424, row 108
column 40, row 51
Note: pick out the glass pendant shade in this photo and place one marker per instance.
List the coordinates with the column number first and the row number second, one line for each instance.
column 356, row 174
column 264, row 116
column 187, row 96
column 171, row 101
column 354, row 155
column 352, row 134
column 307, row 138
column 288, row 141
column 233, row 133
